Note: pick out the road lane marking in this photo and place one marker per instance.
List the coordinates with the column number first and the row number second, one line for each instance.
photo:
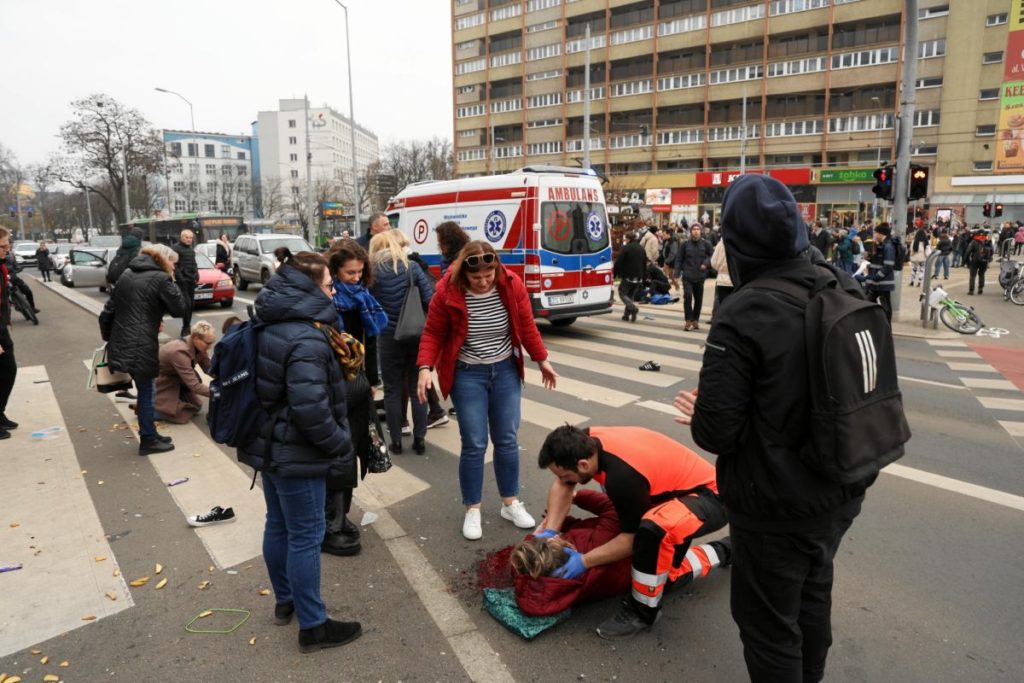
column 639, row 338
column 666, row 408
column 946, row 353
column 585, row 391
column 971, row 367
column 929, row 382
column 993, row 403
column 977, row 383
column 632, row 353
column 63, row 583
column 1014, row 428
column 956, row 486
column 617, row 371
column 946, row 342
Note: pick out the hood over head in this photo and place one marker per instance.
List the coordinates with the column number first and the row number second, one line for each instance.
column 291, row 295
column 133, row 240
column 761, row 226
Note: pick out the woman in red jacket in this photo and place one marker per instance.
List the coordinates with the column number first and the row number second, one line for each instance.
column 537, row 559
column 479, row 322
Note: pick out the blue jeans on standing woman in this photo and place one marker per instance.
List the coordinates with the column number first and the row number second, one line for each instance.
column 943, row 261
column 145, row 389
column 291, row 543
column 487, row 397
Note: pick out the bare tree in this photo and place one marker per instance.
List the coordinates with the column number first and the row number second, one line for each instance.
column 271, row 199
column 416, row 160
column 107, row 140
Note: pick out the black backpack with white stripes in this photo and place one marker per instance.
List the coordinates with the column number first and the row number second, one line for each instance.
column 857, row 425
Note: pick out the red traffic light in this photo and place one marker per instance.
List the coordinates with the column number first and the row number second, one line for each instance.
column 986, row 209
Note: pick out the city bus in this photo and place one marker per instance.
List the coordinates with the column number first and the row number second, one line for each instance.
column 167, row 230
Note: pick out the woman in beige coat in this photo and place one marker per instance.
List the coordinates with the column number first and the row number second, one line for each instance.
column 179, row 389
column 723, row 283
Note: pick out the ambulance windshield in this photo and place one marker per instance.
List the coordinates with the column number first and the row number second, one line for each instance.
column 574, row 227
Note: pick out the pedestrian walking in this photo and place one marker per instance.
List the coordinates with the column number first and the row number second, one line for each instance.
column 693, row 263
column 945, row 247
column 8, row 364
column 1018, row 241
column 43, row 261
column 393, row 274
column 977, row 256
column 300, row 380
column 629, row 267
column 186, row 274
column 479, row 323
column 130, row 324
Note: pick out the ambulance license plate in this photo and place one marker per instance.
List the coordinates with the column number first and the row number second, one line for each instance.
column 561, row 299
column 200, row 296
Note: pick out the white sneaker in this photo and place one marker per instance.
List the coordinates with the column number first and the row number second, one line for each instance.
column 517, row 514
column 471, row 525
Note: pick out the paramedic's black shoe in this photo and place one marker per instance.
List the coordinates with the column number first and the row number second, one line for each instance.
column 329, row 634
column 723, row 547
column 626, row 624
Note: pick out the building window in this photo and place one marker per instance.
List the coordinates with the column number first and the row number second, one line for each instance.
column 541, row 148
column 211, row 187
column 931, row 48
column 470, row 66
column 469, row 22
column 179, row 185
column 928, row 117
column 291, row 123
column 467, row 89
column 472, row 132
column 179, row 204
column 241, row 171
column 986, row 130
column 543, row 52
column 932, row 12
column 546, row 26
column 211, row 205
column 225, row 170
column 293, row 157
column 544, row 123
column 996, row 19
column 543, row 75
column 193, row 149
column 193, row 169
column 988, row 94
column 293, row 140
column 924, row 150
column 175, row 149
column 934, row 82
column 208, row 151
column 225, row 151
column 241, row 156
column 545, row 100
column 992, row 57
column 982, row 166
column 211, row 169
column 295, row 174
column 534, row 5
column 193, row 187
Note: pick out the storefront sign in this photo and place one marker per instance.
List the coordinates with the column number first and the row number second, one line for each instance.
column 684, row 196
column 846, row 175
column 660, row 197
column 787, row 176
column 662, row 208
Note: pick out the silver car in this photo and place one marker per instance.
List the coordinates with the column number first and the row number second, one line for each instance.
column 87, row 267
column 253, row 256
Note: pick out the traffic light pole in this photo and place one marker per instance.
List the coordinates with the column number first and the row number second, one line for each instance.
column 906, row 131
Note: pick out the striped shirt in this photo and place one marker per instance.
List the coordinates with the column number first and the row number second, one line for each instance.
column 488, row 339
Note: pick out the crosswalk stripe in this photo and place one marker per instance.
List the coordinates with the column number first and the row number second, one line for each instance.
column 976, row 383
column 640, row 335
column 1014, row 428
column 946, row 342
column 945, row 353
column 585, row 391
column 214, row 479
column 660, row 407
column 615, row 370
column 993, row 403
column 53, row 514
column 635, row 354
column 971, row 367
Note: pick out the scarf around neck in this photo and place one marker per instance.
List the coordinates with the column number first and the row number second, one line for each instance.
column 357, row 298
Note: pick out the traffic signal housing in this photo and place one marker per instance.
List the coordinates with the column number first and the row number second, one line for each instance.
column 918, row 183
column 997, row 210
column 986, row 210
column 883, row 182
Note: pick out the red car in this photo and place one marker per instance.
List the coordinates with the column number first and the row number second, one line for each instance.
column 215, row 286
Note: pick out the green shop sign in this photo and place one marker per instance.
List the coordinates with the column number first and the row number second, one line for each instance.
column 846, row 175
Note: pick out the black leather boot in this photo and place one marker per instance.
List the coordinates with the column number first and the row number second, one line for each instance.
column 336, row 541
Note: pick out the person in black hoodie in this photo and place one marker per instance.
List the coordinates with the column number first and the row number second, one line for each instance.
column 630, row 267
column 751, row 409
column 131, row 244
column 300, row 382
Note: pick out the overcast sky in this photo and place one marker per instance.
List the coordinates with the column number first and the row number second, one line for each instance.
column 231, row 58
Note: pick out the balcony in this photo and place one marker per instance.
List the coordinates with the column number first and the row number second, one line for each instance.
column 577, row 95
column 776, row 129
column 680, row 136
column 596, row 143
column 736, row 74
column 860, row 123
column 732, row 133
column 629, row 141
column 506, row 105
column 506, row 58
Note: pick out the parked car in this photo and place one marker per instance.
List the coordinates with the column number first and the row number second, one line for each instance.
column 215, row 286
column 253, row 256
column 208, row 249
column 87, row 267
column 25, row 252
column 59, row 254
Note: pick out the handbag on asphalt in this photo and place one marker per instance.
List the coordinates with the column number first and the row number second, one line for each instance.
column 410, row 319
column 103, row 378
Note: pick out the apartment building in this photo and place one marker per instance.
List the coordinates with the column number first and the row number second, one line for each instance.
column 209, row 172
column 672, row 81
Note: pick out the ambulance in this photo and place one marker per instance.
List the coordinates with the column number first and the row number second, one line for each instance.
column 548, row 224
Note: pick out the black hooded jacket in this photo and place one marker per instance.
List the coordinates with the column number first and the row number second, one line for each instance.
column 752, row 407
column 130, row 321
column 299, row 377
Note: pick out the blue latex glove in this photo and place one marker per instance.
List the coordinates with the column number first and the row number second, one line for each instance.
column 573, row 568
column 546, row 533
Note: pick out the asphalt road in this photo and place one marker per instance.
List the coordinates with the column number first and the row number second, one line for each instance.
column 928, row 583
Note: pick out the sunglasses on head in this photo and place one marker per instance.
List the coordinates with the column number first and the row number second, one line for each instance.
column 476, row 260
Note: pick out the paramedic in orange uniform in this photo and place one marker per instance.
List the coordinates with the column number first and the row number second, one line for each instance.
column 665, row 496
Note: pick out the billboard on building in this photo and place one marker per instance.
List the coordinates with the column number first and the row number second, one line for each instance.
column 1010, row 138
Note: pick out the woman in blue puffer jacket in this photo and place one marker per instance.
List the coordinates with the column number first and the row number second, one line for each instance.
column 391, row 267
column 301, row 383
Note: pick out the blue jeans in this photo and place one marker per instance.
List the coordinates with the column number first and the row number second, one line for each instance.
column 291, row 543
column 488, row 396
column 145, row 389
column 942, row 262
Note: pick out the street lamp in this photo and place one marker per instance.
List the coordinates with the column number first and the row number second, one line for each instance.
column 192, row 119
column 352, row 116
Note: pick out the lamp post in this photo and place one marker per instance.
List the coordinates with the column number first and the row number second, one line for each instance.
column 352, row 127
column 878, row 159
column 192, row 120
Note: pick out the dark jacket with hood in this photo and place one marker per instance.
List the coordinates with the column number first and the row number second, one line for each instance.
column 693, row 260
column 389, row 289
column 752, row 408
column 298, row 376
column 186, row 271
column 130, row 321
column 630, row 262
column 131, row 245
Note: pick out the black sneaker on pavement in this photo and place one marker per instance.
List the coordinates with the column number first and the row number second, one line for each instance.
column 438, row 420
column 7, row 423
column 329, row 634
column 217, row 515
column 626, row 624
column 151, row 446
column 125, row 397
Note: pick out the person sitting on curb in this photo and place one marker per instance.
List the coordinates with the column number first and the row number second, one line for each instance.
column 179, row 388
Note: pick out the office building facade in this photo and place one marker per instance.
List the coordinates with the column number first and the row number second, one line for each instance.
column 209, row 172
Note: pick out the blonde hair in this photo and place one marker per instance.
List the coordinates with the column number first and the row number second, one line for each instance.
column 389, row 246
column 201, row 328
column 163, row 255
column 538, row 557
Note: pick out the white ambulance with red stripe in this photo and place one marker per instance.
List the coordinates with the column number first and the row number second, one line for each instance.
column 548, row 224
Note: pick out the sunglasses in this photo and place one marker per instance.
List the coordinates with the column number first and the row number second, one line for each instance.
column 477, row 260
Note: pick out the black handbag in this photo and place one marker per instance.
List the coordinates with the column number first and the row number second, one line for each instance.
column 410, row 319
column 378, row 460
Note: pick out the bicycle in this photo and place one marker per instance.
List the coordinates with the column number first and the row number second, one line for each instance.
column 1013, row 285
column 22, row 306
column 953, row 314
